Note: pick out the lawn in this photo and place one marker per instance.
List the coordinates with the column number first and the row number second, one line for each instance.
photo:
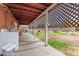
column 42, row 33
column 57, row 44
column 56, row 33
column 53, row 43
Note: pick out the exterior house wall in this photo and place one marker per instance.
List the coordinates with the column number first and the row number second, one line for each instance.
column 6, row 18
column 2, row 17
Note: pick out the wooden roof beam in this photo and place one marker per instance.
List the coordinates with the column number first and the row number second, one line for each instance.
column 47, row 4
column 23, row 12
column 35, row 5
column 14, row 13
column 26, row 8
column 23, row 17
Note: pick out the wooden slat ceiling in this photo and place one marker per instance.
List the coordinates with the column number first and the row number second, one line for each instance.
column 25, row 13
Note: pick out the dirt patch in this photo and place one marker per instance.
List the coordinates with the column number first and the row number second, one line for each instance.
column 72, row 51
column 71, row 40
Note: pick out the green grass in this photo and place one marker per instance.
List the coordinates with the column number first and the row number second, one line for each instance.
column 40, row 33
column 57, row 44
column 54, row 43
column 50, row 33
column 56, row 33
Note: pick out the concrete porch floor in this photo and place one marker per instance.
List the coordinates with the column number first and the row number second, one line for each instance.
column 29, row 46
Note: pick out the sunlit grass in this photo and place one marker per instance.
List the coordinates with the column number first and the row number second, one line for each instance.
column 57, row 44
column 42, row 33
column 56, row 33
column 53, row 43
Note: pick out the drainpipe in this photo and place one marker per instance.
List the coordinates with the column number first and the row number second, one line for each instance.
column 46, row 28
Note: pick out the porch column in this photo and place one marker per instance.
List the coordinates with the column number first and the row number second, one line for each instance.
column 31, row 27
column 35, row 28
column 46, row 29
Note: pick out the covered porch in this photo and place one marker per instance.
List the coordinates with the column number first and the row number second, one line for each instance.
column 32, row 46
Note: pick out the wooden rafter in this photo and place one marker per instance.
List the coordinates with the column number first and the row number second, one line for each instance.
column 25, row 8
column 22, row 11
column 25, row 13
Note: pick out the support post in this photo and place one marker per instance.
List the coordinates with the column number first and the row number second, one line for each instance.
column 35, row 28
column 46, row 28
column 31, row 28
